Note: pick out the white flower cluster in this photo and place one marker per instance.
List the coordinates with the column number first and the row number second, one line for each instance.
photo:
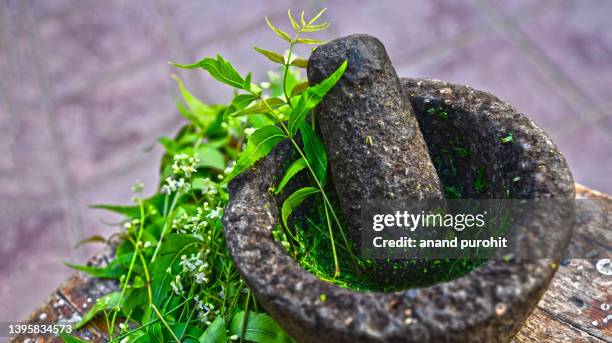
column 204, row 310
column 185, row 165
column 191, row 224
column 174, row 185
column 196, row 265
column 177, row 286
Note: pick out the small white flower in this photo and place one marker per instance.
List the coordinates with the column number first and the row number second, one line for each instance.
column 249, row 131
column 214, row 214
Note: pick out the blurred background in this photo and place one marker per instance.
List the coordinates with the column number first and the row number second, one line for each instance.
column 85, row 92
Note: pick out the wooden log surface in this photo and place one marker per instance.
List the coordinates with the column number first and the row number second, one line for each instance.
column 574, row 309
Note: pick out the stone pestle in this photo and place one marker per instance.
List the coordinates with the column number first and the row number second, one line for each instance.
column 376, row 150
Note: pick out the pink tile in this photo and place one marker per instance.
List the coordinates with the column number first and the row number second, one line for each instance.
column 109, row 127
column 91, row 41
column 577, row 37
column 588, row 154
column 32, row 249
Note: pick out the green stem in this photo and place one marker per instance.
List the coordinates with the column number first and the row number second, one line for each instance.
column 165, row 228
column 165, row 323
column 111, row 328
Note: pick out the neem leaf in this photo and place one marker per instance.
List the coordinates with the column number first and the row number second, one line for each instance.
column 280, row 33
column 293, row 23
column 259, row 107
column 299, row 88
column 259, row 145
column 294, row 200
column 174, row 246
column 111, row 271
column 260, row 328
column 215, row 332
column 106, row 302
column 219, row 69
column 311, row 98
column 308, row 41
column 210, row 157
column 71, row 339
column 300, row 63
column 271, row 55
column 293, row 169
column 201, row 112
column 315, row 152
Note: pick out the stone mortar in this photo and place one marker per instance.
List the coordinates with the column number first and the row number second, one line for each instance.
column 488, row 304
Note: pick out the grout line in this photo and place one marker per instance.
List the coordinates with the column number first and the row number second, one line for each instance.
column 576, row 97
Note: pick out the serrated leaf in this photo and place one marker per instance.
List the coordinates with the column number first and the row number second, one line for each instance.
column 294, row 200
column 91, row 239
column 196, row 111
column 280, row 33
column 293, row 23
column 259, row 145
column 111, row 271
column 311, row 98
column 300, row 63
column 215, row 332
column 219, row 69
column 317, row 16
column 271, row 55
column 132, row 211
column 173, row 247
column 259, row 107
column 259, row 327
column 314, row 28
column 293, row 169
column 210, row 157
column 71, row 339
column 308, row 41
column 299, row 88
column 315, row 152
column 106, row 302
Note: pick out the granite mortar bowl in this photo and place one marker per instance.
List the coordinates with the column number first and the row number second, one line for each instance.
column 488, row 304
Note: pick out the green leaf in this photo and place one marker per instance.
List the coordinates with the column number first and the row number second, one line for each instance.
column 259, row 145
column 294, row 200
column 112, row 271
column 106, row 302
column 199, row 111
column 315, row 152
column 280, row 33
column 219, row 69
column 132, row 211
column 210, row 157
column 91, row 239
column 215, row 332
column 317, row 16
column 293, row 169
column 299, row 88
column 173, row 247
column 308, row 41
column 260, row 107
column 260, row 328
column 311, row 98
column 243, row 100
column 300, row 63
column 314, row 28
column 293, row 23
column 71, row 339
column 271, row 55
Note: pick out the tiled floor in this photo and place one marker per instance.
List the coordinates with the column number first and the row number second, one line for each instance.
column 85, row 91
